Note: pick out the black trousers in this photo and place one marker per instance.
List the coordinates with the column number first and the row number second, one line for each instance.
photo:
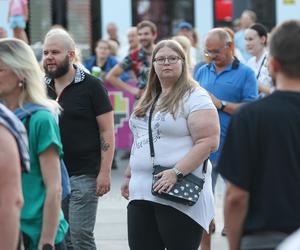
column 152, row 226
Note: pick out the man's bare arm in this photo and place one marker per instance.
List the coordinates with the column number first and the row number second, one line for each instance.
column 230, row 106
column 11, row 199
column 113, row 77
column 235, row 210
column 50, row 168
column 107, row 138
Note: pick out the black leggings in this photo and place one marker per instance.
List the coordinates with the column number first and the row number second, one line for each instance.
column 152, row 226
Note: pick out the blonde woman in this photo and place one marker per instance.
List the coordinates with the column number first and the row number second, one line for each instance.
column 21, row 88
column 185, row 130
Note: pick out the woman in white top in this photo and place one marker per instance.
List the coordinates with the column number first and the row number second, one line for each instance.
column 256, row 40
column 185, row 131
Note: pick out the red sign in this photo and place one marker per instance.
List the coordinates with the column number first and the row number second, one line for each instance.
column 223, row 10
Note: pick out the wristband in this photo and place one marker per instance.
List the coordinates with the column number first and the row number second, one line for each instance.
column 47, row 246
column 223, row 105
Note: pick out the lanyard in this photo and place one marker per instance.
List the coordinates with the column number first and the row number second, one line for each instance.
column 260, row 67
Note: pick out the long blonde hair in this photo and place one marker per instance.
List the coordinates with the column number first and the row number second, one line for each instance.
column 186, row 45
column 20, row 59
column 184, row 85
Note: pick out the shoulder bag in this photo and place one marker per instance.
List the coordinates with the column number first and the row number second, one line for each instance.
column 186, row 191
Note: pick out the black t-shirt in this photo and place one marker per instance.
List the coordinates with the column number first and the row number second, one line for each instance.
column 81, row 101
column 261, row 155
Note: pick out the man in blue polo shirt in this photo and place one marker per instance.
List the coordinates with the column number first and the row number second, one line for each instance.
column 229, row 82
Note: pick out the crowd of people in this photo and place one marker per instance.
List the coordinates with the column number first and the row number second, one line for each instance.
column 231, row 109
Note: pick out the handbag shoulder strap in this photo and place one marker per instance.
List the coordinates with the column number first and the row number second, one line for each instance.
column 152, row 153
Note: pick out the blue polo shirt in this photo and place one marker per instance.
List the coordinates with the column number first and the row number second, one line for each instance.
column 233, row 84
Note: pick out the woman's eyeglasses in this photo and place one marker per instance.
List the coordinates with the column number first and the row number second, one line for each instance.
column 171, row 59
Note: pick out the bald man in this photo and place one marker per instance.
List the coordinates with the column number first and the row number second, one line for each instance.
column 229, row 83
column 87, row 133
column 112, row 31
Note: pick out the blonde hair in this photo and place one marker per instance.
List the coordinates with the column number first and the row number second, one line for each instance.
column 77, row 58
column 20, row 59
column 63, row 36
column 186, row 45
column 113, row 47
column 184, row 85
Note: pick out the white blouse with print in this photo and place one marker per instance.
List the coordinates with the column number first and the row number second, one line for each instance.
column 172, row 141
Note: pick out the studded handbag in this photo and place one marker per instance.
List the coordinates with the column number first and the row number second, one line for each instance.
column 186, row 191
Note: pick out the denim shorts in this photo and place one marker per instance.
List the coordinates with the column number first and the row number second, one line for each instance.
column 17, row 22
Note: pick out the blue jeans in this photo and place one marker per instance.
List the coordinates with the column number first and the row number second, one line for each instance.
column 82, row 212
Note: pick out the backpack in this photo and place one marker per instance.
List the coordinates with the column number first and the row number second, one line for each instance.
column 25, row 112
column 17, row 129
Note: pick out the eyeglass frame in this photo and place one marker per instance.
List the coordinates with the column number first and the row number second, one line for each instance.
column 216, row 52
column 168, row 59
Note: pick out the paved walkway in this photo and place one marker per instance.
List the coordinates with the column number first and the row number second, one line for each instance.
column 111, row 231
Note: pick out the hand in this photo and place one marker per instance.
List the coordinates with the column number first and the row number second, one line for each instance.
column 125, row 187
column 136, row 92
column 102, row 183
column 166, row 180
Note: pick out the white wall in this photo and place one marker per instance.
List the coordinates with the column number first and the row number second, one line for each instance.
column 204, row 19
column 119, row 12
column 3, row 16
column 287, row 11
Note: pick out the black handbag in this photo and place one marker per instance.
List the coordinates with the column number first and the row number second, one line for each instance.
column 186, row 191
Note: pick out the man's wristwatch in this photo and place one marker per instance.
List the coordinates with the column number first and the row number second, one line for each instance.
column 223, row 105
column 179, row 175
column 47, row 247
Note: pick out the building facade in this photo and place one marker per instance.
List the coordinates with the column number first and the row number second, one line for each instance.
column 87, row 19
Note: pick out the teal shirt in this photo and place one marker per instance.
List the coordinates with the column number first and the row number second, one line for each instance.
column 43, row 133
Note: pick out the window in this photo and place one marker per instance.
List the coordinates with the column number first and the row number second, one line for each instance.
column 79, row 24
column 40, row 19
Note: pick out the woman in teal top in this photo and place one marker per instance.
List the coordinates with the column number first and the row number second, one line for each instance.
column 21, row 84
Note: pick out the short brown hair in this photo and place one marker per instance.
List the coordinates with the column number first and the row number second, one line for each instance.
column 285, row 47
column 149, row 24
